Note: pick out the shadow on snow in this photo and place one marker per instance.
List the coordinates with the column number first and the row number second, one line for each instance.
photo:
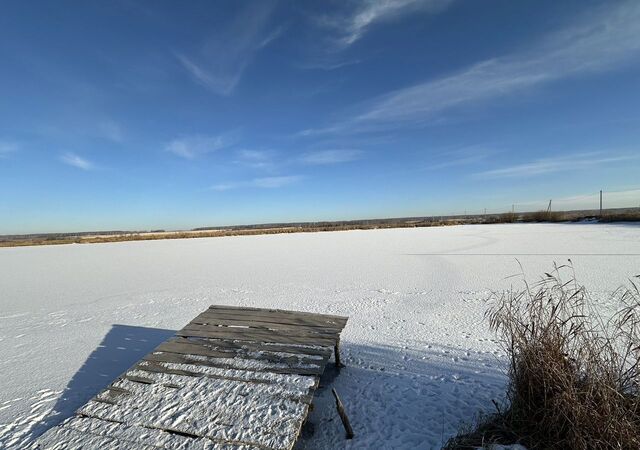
column 120, row 349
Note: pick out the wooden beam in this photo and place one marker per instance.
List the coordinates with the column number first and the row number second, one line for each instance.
column 343, row 415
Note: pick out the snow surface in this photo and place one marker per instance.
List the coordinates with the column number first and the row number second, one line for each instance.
column 420, row 359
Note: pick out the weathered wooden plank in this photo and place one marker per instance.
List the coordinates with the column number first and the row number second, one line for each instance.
column 299, row 318
column 224, row 320
column 329, row 324
column 81, row 440
column 296, row 331
column 256, row 346
column 192, row 349
column 343, row 415
column 281, row 384
column 102, row 434
column 111, row 393
column 140, row 436
column 292, row 381
column 153, row 366
column 159, row 369
column 241, row 334
column 284, row 312
column 306, row 319
column 317, row 369
column 138, row 379
column 244, row 363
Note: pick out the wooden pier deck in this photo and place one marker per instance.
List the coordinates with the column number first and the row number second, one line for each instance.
column 234, row 378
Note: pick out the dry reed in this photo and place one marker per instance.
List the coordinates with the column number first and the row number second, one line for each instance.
column 574, row 372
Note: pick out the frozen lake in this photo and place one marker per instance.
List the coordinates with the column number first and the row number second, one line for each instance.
column 420, row 359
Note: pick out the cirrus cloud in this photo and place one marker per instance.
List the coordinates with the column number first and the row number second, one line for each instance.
column 259, row 183
column 596, row 42
column 190, row 147
column 355, row 22
column 74, row 160
column 556, row 164
column 7, row 148
column 218, row 64
column 325, row 157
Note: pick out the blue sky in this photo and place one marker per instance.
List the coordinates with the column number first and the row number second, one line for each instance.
column 145, row 115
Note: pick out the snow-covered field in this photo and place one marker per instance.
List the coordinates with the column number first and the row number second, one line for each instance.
column 420, row 359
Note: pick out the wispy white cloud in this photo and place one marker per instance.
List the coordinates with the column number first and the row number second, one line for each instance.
column 111, row 130
column 271, row 36
column 220, row 62
column 324, row 157
column 353, row 24
column 276, row 182
column 77, row 161
column 256, row 159
column 328, row 63
column 79, row 127
column 254, row 155
column 190, row 147
column 331, row 129
column 260, row 183
column 558, row 164
column 220, row 83
column 7, row 148
column 599, row 42
column 353, row 19
column 461, row 157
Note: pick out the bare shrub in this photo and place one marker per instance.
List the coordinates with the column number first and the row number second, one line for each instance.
column 574, row 374
column 508, row 217
column 625, row 216
column 543, row 216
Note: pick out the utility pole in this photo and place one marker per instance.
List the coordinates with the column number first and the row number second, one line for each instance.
column 513, row 208
column 600, row 202
column 549, row 207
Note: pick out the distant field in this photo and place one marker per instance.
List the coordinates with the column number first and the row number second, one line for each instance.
column 20, row 241
column 609, row 215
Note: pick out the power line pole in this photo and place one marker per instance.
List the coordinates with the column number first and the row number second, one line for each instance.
column 549, row 207
column 600, row 202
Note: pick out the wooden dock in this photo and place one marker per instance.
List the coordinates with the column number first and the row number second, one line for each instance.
column 234, row 378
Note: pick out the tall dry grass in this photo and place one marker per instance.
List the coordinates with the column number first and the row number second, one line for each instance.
column 543, row 216
column 574, row 372
column 508, row 217
column 625, row 216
